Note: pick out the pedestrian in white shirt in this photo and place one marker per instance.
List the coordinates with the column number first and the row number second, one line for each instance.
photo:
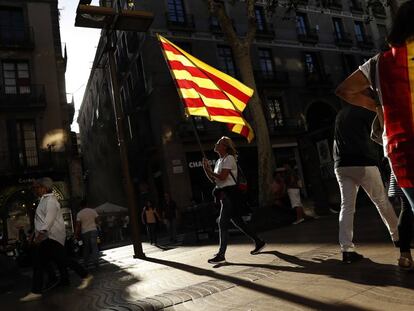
column 49, row 239
column 86, row 227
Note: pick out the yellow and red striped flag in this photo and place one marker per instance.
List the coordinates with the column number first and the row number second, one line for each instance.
column 206, row 91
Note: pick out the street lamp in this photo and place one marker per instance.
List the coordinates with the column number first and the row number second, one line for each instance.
column 112, row 19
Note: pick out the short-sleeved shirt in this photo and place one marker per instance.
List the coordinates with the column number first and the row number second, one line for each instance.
column 87, row 218
column 226, row 162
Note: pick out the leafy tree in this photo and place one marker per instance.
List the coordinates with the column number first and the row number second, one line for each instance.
column 241, row 47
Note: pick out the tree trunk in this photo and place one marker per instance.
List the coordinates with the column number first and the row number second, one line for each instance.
column 266, row 163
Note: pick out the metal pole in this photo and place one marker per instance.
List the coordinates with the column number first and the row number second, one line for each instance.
column 119, row 121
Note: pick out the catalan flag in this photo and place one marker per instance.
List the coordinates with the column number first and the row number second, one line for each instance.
column 206, row 91
column 396, row 77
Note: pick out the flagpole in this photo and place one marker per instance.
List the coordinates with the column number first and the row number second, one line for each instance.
column 197, row 137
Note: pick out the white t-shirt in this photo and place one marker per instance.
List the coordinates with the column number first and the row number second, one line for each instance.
column 365, row 68
column 227, row 162
column 49, row 218
column 87, row 218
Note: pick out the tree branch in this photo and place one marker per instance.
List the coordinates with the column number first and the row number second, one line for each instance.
column 251, row 22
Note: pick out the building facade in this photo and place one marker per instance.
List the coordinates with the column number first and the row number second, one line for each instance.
column 299, row 57
column 35, row 116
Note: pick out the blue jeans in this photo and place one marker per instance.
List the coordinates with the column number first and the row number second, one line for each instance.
column 409, row 193
column 90, row 247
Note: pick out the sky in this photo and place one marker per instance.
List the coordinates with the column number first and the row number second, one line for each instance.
column 81, row 46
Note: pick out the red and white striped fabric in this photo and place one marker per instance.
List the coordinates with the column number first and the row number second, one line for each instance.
column 208, row 92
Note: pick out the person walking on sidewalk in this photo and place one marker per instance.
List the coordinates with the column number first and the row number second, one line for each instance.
column 86, row 228
column 356, row 160
column 150, row 218
column 224, row 176
column 169, row 210
column 394, row 84
column 49, row 239
column 293, row 186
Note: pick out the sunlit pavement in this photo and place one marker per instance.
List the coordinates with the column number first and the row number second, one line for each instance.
column 300, row 269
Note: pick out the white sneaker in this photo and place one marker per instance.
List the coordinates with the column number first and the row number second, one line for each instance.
column 86, row 282
column 298, row 221
column 31, row 297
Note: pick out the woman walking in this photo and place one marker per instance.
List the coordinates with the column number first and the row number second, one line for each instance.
column 227, row 195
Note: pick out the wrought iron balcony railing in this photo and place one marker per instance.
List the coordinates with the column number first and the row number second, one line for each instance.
column 267, row 31
column 343, row 39
column 16, row 37
column 15, row 97
column 365, row 42
column 307, row 35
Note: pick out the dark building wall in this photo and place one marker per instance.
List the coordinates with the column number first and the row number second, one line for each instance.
column 162, row 141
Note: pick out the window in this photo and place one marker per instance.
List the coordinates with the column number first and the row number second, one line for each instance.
column 176, row 12
column 260, row 18
column 16, row 77
column 11, row 25
column 359, row 31
column 310, row 63
column 301, row 24
column 226, row 61
column 275, row 112
column 312, row 67
column 26, row 143
column 266, row 63
column 338, row 28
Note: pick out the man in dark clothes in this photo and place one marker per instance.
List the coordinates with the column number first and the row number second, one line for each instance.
column 169, row 209
column 356, row 161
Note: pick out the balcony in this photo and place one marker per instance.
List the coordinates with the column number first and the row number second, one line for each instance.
column 185, row 23
column 267, row 32
column 32, row 160
column 286, row 127
column 309, row 35
column 365, row 42
column 343, row 39
column 33, row 97
column 275, row 78
column 16, row 38
column 356, row 7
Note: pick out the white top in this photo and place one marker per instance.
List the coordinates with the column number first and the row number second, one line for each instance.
column 87, row 218
column 227, row 162
column 49, row 218
column 365, row 69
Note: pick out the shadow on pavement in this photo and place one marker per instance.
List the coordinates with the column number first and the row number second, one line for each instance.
column 281, row 294
column 108, row 289
column 366, row 271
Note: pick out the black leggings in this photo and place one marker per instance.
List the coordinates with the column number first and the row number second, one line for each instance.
column 229, row 213
column 405, row 225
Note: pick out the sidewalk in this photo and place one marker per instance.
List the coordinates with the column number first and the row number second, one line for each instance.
column 300, row 269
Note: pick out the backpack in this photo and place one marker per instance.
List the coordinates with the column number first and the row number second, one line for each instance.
column 241, row 181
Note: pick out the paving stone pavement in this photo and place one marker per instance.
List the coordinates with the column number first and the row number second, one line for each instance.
column 300, row 269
